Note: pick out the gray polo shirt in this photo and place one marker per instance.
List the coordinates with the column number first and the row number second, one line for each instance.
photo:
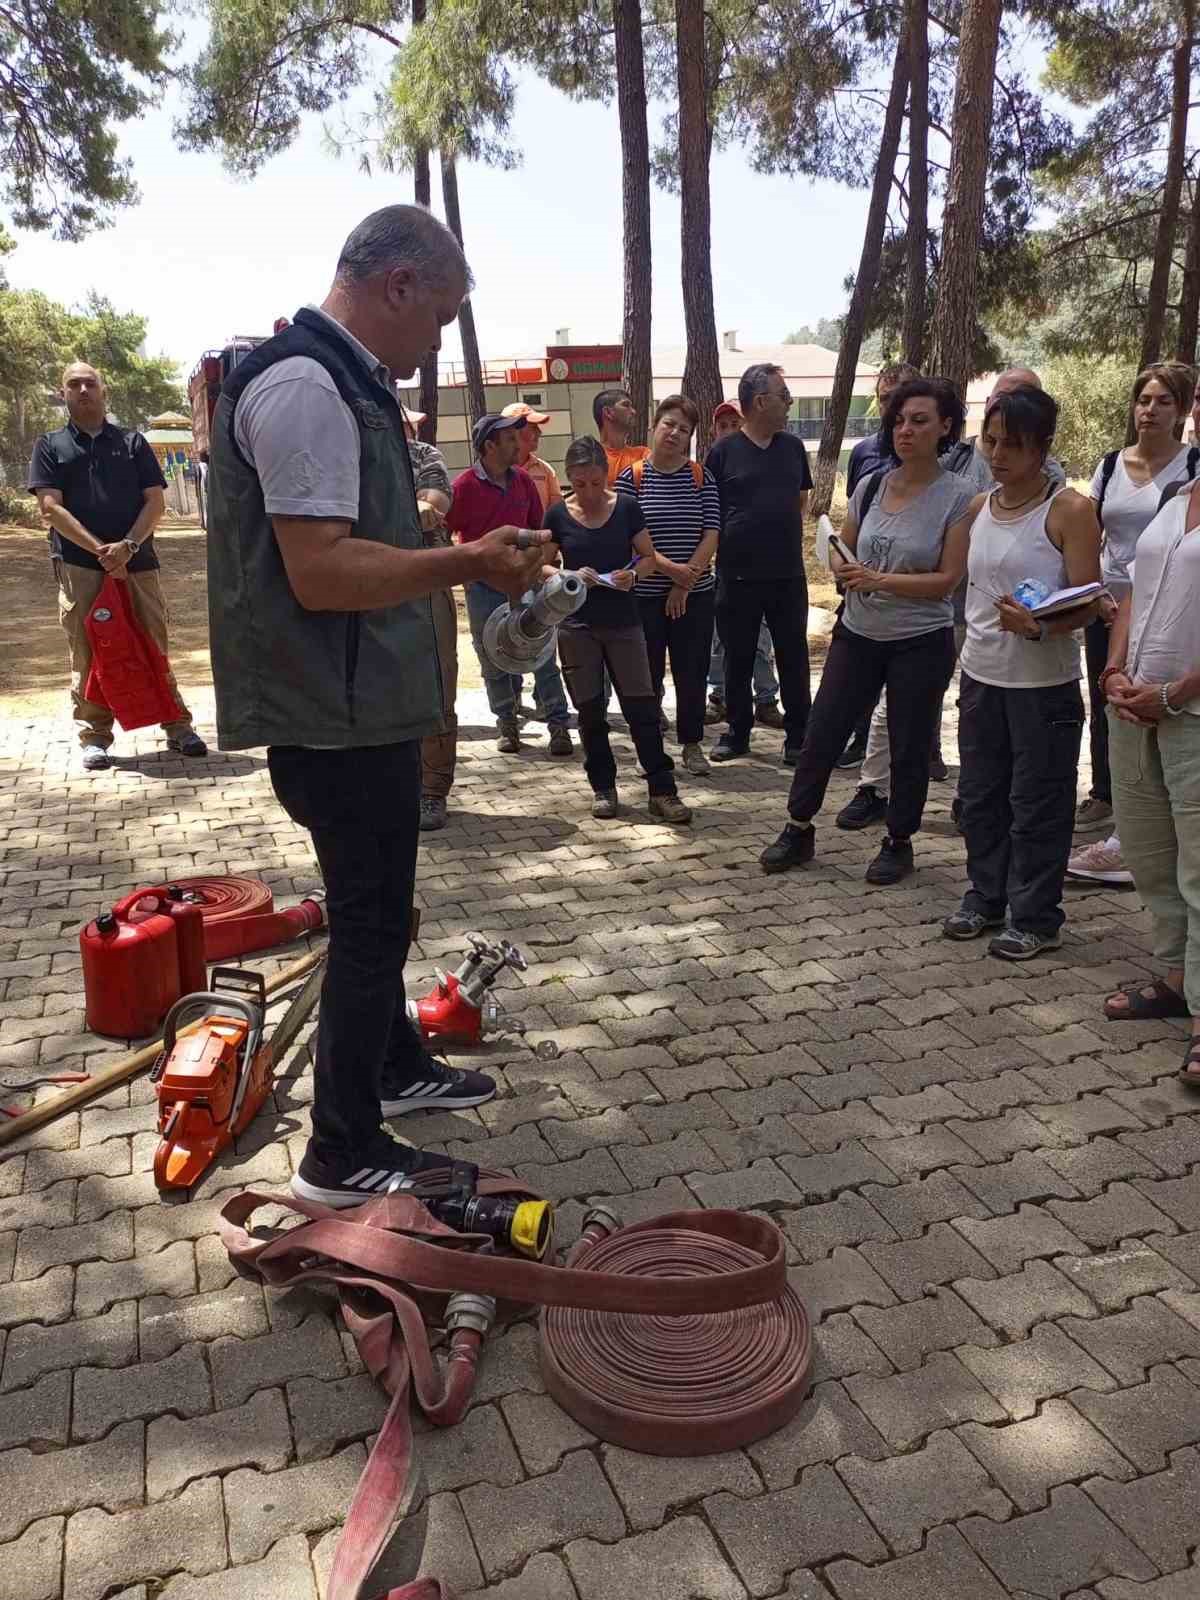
column 301, row 437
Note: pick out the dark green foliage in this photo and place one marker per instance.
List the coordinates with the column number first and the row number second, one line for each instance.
column 69, row 70
column 41, row 337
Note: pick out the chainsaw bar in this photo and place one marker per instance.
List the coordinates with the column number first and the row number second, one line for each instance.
column 283, row 1036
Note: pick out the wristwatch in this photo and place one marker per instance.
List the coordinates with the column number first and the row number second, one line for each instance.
column 133, row 547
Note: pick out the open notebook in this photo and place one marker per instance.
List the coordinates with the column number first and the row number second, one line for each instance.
column 1067, row 600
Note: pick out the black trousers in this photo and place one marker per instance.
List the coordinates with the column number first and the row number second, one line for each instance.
column 1019, row 755
column 362, row 808
column 1095, row 645
column 742, row 604
column 688, row 640
column 587, row 654
column 915, row 673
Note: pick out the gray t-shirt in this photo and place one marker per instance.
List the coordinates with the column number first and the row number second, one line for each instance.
column 910, row 540
column 300, row 436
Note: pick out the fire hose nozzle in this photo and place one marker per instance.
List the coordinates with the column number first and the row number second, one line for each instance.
column 474, row 1311
column 519, row 638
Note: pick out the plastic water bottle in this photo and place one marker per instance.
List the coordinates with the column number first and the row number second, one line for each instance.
column 1031, row 593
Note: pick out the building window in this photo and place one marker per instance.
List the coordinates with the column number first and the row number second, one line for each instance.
column 809, row 413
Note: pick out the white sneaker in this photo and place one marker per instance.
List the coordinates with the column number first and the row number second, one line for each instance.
column 1101, row 862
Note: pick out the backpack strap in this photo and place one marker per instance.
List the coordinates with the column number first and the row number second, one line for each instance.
column 874, row 484
column 1177, row 485
column 637, row 472
column 1107, row 467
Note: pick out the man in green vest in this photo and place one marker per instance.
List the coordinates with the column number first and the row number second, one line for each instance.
column 324, row 650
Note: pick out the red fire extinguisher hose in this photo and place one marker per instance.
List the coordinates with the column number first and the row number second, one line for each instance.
column 240, row 917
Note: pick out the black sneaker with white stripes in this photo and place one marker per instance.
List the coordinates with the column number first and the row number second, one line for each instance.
column 385, row 1163
column 437, row 1087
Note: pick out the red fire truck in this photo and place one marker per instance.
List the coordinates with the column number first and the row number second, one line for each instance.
column 204, row 386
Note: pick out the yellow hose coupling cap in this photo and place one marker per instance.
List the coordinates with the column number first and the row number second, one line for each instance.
column 532, row 1228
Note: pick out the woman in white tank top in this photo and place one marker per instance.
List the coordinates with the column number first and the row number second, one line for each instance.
column 1021, row 711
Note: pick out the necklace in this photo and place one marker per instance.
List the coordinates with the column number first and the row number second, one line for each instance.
column 1041, row 489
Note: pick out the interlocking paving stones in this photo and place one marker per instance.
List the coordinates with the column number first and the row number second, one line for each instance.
column 998, row 1197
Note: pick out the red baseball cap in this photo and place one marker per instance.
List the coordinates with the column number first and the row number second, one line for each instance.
column 727, row 408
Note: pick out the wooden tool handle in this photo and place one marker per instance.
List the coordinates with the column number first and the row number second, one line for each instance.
column 80, row 1094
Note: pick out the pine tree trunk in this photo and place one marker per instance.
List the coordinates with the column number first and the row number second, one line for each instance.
column 1189, row 299
column 635, row 203
column 423, row 195
column 962, row 225
column 476, row 399
column 913, row 336
column 702, row 369
column 864, row 285
column 1168, row 217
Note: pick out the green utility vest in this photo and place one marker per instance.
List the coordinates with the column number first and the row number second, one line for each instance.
column 285, row 675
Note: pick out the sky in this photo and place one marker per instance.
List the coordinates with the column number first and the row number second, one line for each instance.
column 204, row 256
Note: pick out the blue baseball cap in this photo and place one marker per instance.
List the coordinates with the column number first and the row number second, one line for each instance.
column 490, row 424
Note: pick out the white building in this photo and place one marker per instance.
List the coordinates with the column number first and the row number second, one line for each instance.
column 564, row 381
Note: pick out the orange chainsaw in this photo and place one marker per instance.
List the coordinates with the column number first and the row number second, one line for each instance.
column 213, row 1078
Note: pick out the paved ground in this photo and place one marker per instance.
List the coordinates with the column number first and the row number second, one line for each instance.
column 991, row 1199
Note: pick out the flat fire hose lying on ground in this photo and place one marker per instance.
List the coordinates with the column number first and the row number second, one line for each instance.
column 676, row 1336
column 240, row 916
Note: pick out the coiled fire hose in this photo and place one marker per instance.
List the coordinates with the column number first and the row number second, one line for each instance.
column 679, row 1336
column 240, row 917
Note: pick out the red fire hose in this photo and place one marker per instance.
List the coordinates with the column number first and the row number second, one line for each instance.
column 240, row 917
column 679, row 1335
column 671, row 1385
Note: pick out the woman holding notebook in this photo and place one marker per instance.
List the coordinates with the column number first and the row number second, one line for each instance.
column 1020, row 706
column 603, row 536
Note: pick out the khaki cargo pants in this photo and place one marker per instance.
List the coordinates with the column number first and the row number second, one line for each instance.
column 77, row 589
column 439, row 751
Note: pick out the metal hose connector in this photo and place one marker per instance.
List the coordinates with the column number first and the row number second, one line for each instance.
column 519, row 638
column 474, row 1311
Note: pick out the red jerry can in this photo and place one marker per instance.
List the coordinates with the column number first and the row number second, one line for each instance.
column 130, row 972
column 188, row 917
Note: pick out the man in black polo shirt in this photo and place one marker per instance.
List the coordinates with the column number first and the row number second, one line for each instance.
column 763, row 476
column 100, row 490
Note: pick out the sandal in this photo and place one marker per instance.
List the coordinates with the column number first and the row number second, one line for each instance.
column 1146, row 1001
column 1190, row 1070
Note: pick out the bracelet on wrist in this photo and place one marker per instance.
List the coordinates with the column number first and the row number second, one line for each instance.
column 1165, row 696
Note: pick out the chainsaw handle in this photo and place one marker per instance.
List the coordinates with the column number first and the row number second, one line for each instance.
column 229, row 1004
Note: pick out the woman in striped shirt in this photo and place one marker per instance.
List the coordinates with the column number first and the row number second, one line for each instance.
column 682, row 508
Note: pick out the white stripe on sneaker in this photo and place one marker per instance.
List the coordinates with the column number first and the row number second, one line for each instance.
column 357, row 1180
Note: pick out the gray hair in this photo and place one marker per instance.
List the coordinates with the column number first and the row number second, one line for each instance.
column 402, row 236
column 754, row 381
